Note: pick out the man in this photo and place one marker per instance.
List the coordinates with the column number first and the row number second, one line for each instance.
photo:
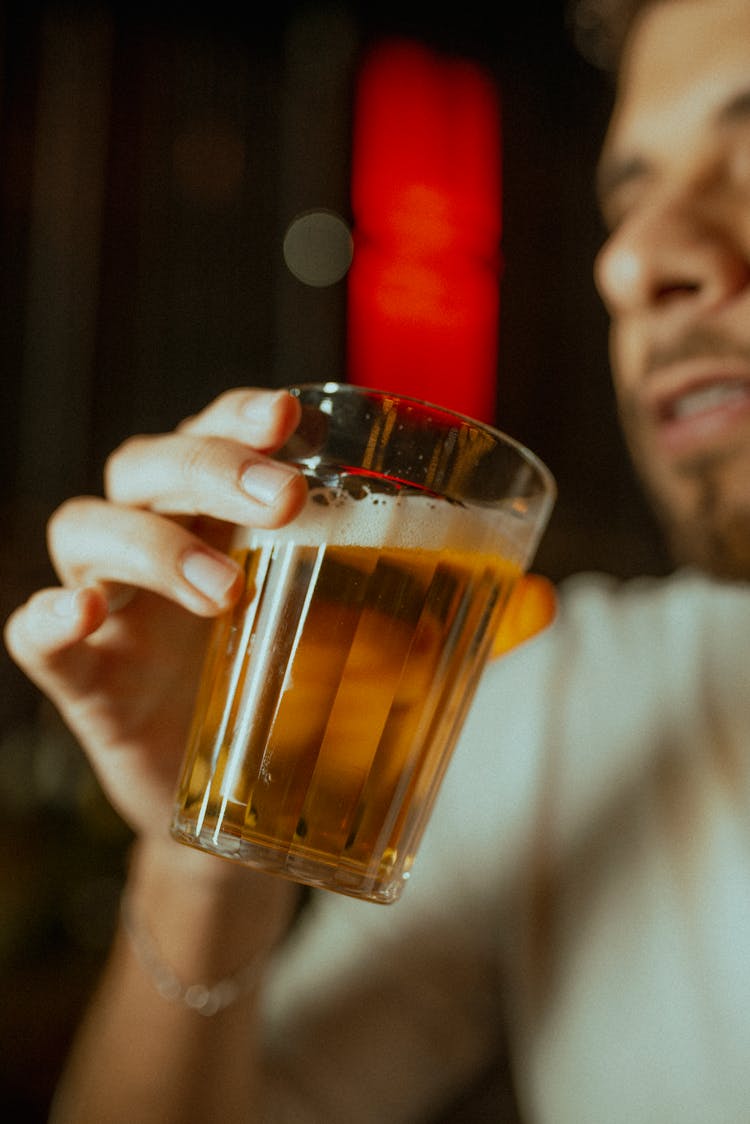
column 673, row 182
column 583, row 884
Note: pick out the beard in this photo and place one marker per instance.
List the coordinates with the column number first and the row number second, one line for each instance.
column 711, row 531
column 702, row 503
column 716, row 537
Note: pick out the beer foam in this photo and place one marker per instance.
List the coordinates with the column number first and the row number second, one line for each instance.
column 402, row 521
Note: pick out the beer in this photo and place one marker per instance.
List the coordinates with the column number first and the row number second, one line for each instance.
column 332, row 695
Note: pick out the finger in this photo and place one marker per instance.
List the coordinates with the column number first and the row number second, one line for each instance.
column 95, row 542
column 261, row 419
column 189, row 474
column 51, row 623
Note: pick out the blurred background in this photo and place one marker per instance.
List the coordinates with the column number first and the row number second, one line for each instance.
column 177, row 216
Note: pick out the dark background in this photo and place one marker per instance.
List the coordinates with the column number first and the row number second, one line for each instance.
column 151, row 159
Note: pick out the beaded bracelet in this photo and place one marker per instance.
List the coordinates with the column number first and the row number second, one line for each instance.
column 198, row 997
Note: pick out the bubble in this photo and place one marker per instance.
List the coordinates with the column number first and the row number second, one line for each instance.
column 401, row 521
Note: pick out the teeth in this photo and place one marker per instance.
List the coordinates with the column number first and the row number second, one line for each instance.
column 707, row 398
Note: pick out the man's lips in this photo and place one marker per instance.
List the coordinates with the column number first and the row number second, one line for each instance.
column 697, row 410
column 707, row 398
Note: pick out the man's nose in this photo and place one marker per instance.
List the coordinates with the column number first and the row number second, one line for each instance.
column 675, row 252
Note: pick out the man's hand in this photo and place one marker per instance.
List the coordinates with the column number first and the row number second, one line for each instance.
column 118, row 647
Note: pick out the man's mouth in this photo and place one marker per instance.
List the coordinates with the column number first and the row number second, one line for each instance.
column 706, row 398
column 703, row 414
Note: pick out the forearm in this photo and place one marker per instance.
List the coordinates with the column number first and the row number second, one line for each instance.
column 140, row 1056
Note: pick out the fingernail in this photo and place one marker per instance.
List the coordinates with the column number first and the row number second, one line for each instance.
column 264, row 481
column 211, row 576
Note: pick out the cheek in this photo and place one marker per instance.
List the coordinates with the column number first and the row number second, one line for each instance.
column 633, row 421
column 625, row 357
column 733, row 477
column 626, row 362
column 667, row 489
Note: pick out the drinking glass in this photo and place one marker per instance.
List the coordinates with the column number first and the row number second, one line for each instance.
column 333, row 693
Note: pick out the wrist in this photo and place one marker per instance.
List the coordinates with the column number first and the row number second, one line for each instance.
column 161, row 860
column 207, row 916
column 206, row 998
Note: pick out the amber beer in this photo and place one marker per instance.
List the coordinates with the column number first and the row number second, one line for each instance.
column 332, row 695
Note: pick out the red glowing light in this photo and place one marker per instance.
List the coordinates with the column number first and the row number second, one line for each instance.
column 424, row 283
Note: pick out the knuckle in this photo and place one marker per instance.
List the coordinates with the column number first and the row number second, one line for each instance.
column 221, row 407
column 188, row 423
column 116, row 462
column 69, row 532
column 11, row 633
column 230, row 398
column 202, row 458
column 66, row 515
column 18, row 633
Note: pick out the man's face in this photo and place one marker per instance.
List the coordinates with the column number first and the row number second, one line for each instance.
column 675, row 271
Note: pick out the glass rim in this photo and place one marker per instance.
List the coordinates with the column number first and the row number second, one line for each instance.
column 332, row 386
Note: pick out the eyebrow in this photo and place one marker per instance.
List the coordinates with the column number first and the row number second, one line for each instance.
column 614, row 172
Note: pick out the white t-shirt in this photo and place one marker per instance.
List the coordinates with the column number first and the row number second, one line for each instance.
column 582, row 890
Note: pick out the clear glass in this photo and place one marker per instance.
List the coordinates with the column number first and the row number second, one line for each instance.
column 332, row 695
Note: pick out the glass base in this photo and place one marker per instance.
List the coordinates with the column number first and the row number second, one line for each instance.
column 309, row 869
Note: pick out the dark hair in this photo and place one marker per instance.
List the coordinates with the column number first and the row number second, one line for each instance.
column 601, row 27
